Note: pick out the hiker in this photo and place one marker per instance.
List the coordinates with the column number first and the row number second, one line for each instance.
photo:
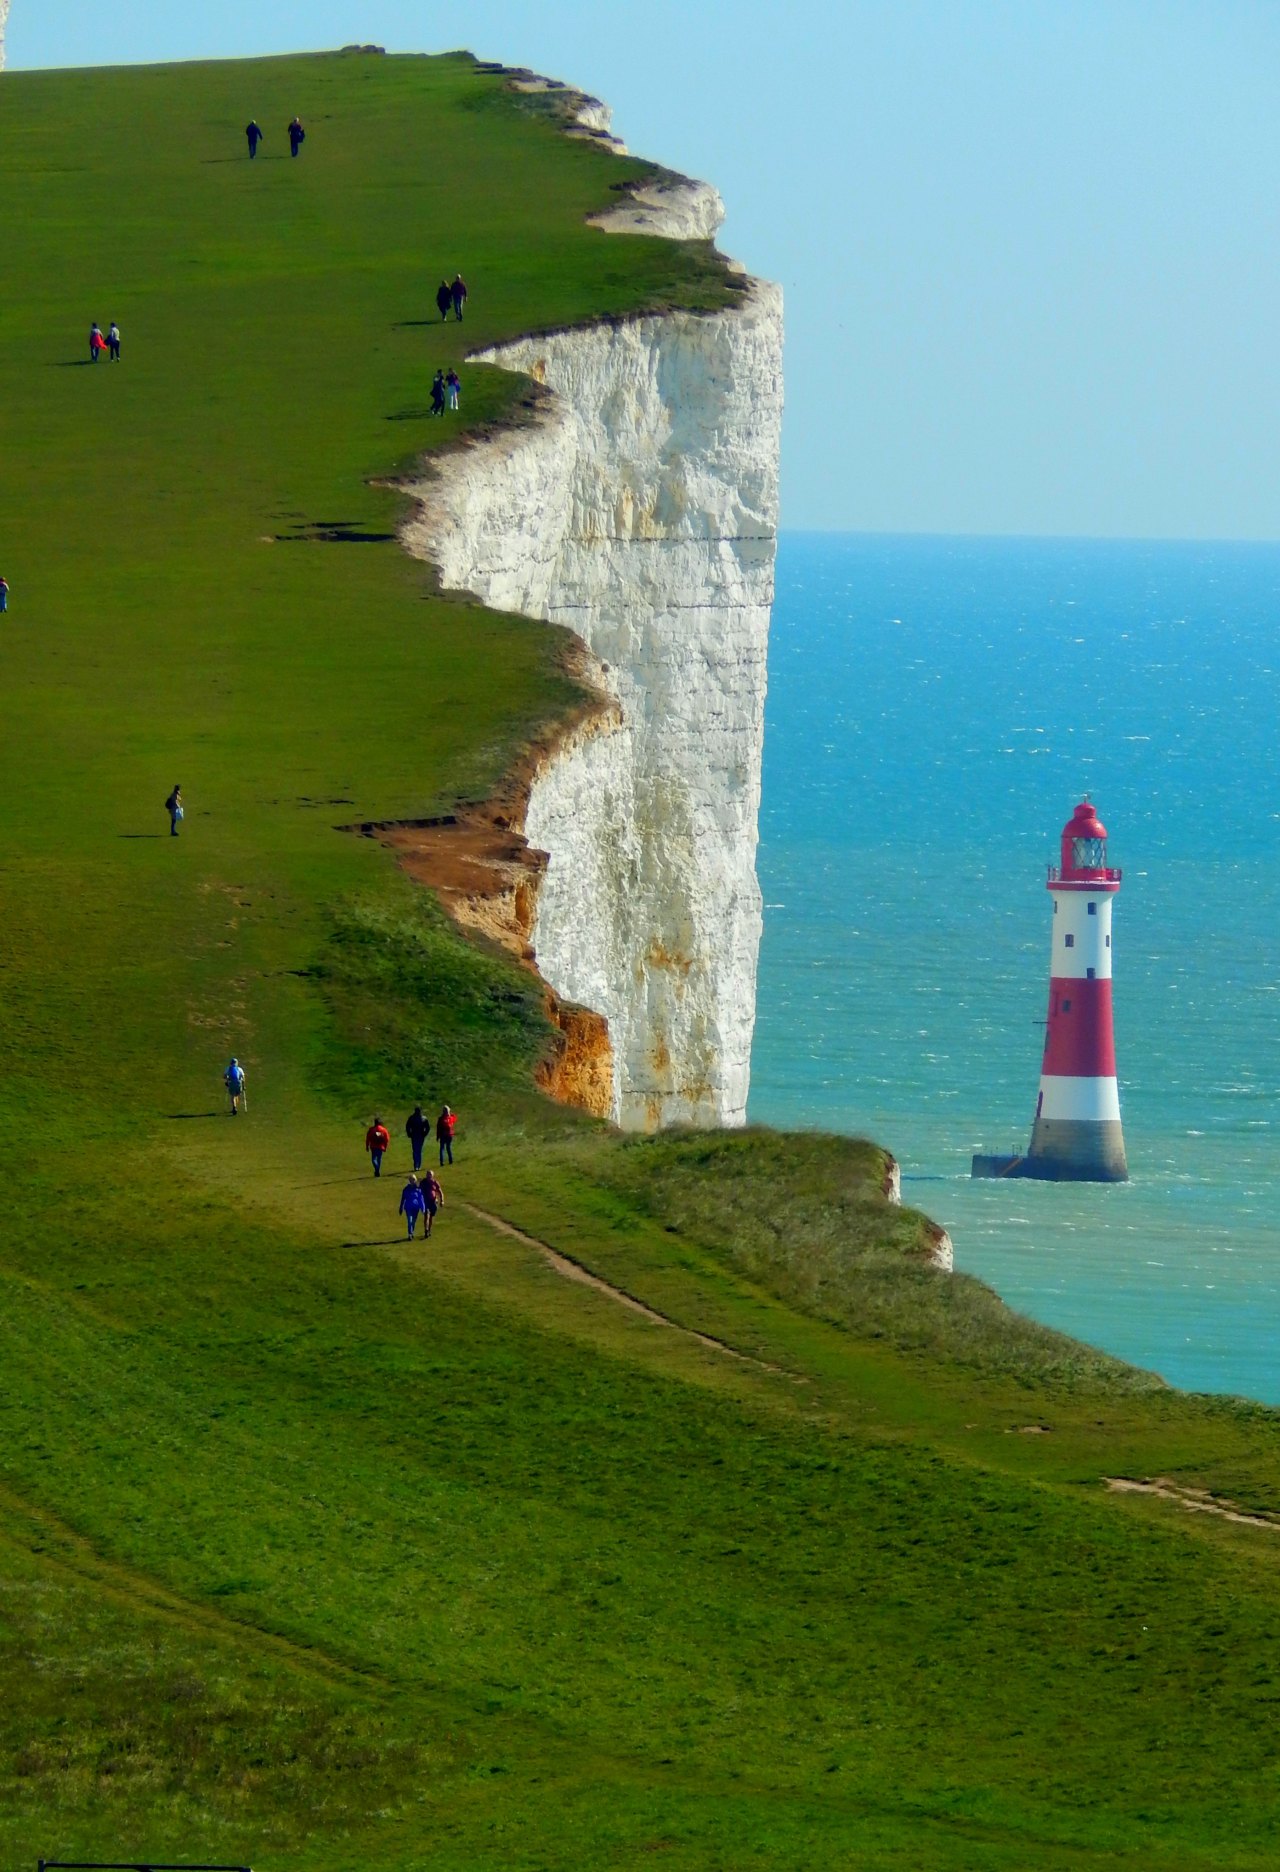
column 445, row 1125
column 254, row 136
column 417, row 1129
column 432, row 1199
column 437, row 394
column 444, row 299
column 458, row 294
column 113, row 341
column 233, row 1079
column 453, row 384
column 173, row 806
column 4, row 594
column 376, row 1140
column 297, row 136
column 96, row 341
column 413, row 1204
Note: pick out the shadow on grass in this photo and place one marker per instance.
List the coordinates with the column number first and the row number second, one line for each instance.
column 390, row 1241
column 72, row 363
column 136, row 835
column 174, row 1117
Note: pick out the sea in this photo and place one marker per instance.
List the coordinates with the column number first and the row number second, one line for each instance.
column 937, row 707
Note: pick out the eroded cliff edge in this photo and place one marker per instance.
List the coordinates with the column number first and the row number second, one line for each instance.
column 640, row 510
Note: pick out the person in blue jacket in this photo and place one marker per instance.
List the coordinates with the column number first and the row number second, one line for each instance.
column 412, row 1204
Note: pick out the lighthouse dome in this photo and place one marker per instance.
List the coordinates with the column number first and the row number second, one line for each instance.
column 1084, row 823
column 1084, row 844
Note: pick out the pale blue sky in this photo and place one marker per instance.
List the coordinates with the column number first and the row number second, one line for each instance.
column 1030, row 248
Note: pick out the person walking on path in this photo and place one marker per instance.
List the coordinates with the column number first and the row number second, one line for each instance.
column 233, row 1079
column 433, row 1200
column 297, row 136
column 458, row 294
column 173, row 806
column 253, row 135
column 4, row 594
column 377, row 1139
column 413, row 1204
column 446, row 1124
column 444, row 299
column 437, row 394
column 453, row 384
column 417, row 1128
column 113, row 341
column 96, row 341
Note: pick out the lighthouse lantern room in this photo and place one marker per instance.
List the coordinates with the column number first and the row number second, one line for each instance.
column 1076, row 1136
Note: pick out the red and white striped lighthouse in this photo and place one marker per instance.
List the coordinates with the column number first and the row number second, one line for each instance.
column 1077, row 1135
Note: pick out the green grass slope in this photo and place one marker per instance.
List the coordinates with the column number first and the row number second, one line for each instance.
column 318, row 1548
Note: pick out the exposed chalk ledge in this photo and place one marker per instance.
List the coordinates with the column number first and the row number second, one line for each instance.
column 639, row 508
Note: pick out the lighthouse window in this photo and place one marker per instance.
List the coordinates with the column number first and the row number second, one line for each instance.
column 1069, row 940
column 1087, row 854
column 1093, row 909
column 1066, row 1006
column 1108, row 941
column 1091, row 973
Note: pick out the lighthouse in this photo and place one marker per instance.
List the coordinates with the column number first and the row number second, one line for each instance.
column 1076, row 1137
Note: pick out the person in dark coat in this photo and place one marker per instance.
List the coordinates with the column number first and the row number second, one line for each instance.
column 437, row 394
column 444, row 299
column 458, row 294
column 417, row 1128
column 254, row 135
column 297, row 136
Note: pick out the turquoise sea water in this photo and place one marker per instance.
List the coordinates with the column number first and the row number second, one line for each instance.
column 936, row 709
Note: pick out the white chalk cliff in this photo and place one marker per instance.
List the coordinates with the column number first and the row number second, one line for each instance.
column 641, row 511
column 4, row 21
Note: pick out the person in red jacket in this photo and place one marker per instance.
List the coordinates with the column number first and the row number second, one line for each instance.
column 376, row 1140
column 445, row 1125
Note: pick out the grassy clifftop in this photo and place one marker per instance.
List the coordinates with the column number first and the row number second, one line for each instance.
column 317, row 1548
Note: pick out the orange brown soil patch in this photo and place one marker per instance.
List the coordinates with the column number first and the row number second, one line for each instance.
column 485, row 873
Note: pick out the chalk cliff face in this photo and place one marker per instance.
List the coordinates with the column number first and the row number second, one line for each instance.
column 4, row 21
column 641, row 511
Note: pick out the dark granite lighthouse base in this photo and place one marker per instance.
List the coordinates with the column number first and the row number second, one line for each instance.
column 1065, row 1150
